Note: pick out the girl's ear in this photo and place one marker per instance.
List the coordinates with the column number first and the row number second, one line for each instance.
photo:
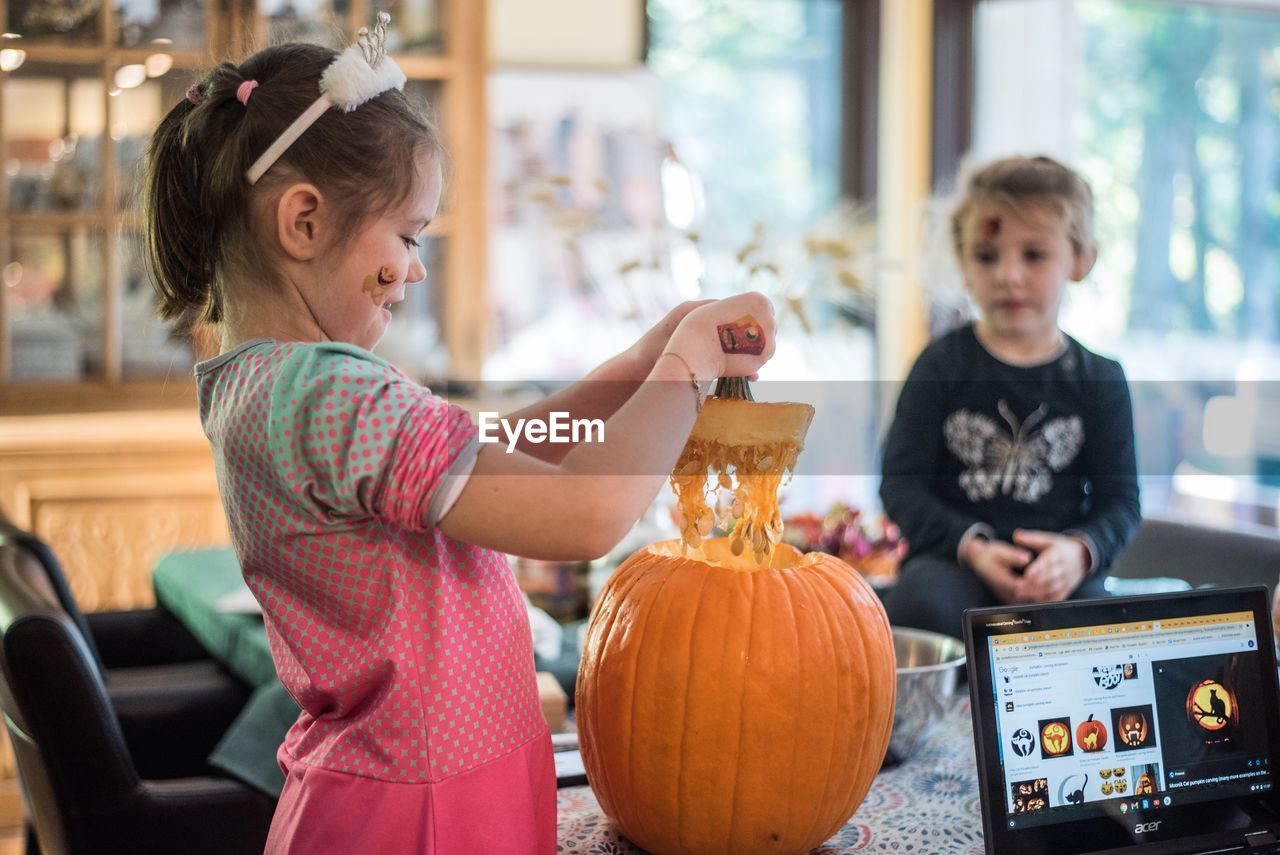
column 1083, row 262
column 298, row 218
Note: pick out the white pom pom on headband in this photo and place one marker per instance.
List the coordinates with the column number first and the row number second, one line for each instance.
column 361, row 72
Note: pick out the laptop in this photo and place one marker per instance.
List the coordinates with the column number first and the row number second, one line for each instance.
column 1130, row 724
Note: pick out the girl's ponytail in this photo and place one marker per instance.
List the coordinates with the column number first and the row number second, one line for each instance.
column 176, row 252
column 185, row 202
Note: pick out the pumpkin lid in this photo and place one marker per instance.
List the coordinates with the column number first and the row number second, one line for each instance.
column 736, row 422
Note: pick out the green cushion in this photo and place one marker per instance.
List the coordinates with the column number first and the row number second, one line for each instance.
column 190, row 584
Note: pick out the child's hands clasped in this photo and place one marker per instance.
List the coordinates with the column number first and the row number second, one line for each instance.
column 998, row 563
column 732, row 337
column 1058, row 569
column 1038, row 567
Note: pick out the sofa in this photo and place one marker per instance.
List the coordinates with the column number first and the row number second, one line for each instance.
column 1166, row 549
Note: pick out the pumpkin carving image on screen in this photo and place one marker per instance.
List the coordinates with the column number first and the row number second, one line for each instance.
column 734, row 695
column 1091, row 734
column 1211, row 706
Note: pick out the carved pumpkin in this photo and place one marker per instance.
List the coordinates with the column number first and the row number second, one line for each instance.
column 1212, row 706
column 1055, row 739
column 1133, row 729
column 729, row 707
column 1091, row 734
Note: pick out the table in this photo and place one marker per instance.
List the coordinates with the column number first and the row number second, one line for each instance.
column 929, row 805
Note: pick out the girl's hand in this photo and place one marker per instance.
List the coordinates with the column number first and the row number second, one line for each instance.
column 642, row 355
column 732, row 337
column 997, row 564
column 1057, row 570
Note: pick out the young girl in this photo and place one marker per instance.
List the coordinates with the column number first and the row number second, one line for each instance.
column 369, row 520
column 1010, row 461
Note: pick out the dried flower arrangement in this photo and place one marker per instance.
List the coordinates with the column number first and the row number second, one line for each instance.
column 869, row 542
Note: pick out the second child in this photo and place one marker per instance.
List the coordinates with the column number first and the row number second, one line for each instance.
column 1010, row 461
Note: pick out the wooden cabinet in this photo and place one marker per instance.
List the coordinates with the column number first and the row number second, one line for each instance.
column 83, row 85
column 110, row 493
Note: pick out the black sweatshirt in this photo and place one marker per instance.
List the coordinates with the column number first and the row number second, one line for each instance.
column 975, row 440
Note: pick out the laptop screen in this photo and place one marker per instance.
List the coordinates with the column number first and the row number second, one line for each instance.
column 1131, row 719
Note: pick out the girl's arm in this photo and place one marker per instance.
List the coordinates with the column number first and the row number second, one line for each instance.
column 605, row 389
column 583, row 505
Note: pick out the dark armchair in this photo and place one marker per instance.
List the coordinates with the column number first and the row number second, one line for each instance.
column 173, row 701
column 82, row 789
column 1201, row 554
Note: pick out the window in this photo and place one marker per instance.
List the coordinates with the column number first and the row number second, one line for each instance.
column 1172, row 112
column 619, row 194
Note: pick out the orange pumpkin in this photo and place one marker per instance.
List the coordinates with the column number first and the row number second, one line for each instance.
column 728, row 707
column 1091, row 734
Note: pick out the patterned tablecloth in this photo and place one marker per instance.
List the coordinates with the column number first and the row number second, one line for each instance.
column 927, row 805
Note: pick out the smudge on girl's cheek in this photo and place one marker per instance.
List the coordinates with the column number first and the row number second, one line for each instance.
column 377, row 286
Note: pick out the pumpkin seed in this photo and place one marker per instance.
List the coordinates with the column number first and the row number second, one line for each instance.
column 693, row 467
column 736, row 546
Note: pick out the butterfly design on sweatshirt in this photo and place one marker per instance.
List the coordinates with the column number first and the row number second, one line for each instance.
column 1018, row 461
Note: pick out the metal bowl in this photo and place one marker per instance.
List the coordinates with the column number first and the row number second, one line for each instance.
column 929, row 668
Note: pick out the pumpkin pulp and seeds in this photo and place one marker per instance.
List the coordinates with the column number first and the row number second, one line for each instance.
column 720, row 483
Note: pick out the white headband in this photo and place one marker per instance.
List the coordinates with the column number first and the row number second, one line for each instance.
column 361, row 72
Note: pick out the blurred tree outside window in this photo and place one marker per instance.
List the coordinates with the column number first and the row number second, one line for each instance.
column 751, row 105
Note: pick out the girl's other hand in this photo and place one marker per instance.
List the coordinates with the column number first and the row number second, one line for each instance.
column 997, row 564
column 645, row 352
column 732, row 337
column 1058, row 569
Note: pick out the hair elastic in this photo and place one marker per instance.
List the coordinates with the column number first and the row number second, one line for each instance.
column 244, row 90
column 195, row 92
column 360, row 73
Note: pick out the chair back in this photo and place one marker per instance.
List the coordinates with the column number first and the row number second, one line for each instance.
column 1201, row 554
column 72, row 757
column 57, row 580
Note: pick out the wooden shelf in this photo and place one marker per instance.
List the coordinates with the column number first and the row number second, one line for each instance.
column 459, row 78
column 76, row 55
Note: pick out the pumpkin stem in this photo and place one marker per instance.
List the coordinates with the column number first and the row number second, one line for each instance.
column 733, row 387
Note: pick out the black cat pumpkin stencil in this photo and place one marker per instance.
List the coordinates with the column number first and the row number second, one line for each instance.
column 1069, row 793
column 1213, row 710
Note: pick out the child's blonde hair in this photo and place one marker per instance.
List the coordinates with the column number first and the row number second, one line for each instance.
column 1017, row 183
